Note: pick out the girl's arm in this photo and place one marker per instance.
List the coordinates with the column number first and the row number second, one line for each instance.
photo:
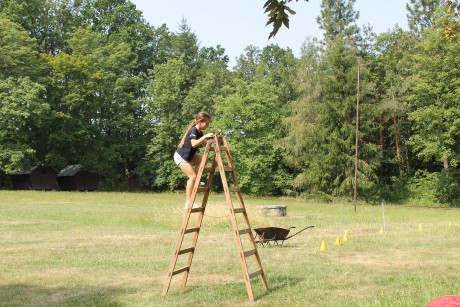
column 202, row 140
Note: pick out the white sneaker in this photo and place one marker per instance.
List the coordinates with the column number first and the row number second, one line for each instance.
column 195, row 205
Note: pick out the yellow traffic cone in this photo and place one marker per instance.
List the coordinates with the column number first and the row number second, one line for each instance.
column 450, row 225
column 337, row 241
column 381, row 229
column 323, row 246
column 345, row 236
column 419, row 226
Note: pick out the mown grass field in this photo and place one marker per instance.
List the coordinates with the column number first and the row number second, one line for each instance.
column 113, row 249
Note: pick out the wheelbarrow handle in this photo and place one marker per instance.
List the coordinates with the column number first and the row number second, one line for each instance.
column 299, row 232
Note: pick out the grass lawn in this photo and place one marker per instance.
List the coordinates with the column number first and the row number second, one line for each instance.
column 99, row 249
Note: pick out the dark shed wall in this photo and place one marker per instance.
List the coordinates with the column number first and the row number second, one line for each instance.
column 37, row 178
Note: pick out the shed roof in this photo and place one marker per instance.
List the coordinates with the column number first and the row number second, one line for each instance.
column 30, row 170
column 70, row 170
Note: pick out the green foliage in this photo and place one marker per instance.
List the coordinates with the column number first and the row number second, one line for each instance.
column 251, row 117
column 338, row 19
column 91, row 82
column 434, row 101
column 276, row 11
column 448, row 187
column 421, row 14
column 18, row 55
column 21, row 111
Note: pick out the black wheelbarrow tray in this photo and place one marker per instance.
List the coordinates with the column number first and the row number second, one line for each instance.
column 266, row 235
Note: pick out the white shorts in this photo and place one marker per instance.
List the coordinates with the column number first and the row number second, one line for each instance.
column 178, row 159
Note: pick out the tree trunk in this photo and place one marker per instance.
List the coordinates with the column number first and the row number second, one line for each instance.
column 398, row 150
column 446, row 163
column 381, row 132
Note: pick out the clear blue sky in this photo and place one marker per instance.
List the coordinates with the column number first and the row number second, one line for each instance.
column 236, row 24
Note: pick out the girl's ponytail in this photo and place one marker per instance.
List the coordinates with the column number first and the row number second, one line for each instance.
column 200, row 117
column 193, row 123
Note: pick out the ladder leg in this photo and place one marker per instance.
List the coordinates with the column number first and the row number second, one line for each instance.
column 185, row 222
column 237, row 232
column 245, row 214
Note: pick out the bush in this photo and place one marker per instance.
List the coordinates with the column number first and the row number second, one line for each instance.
column 448, row 186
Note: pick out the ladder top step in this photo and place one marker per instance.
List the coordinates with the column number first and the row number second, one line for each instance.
column 221, row 148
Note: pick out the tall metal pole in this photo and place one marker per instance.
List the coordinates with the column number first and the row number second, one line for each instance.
column 357, row 142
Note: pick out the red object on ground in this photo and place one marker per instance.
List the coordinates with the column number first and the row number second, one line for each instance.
column 445, row 301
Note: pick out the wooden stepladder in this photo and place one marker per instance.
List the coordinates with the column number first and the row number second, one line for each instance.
column 219, row 146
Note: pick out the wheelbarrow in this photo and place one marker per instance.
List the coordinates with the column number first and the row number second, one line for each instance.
column 267, row 235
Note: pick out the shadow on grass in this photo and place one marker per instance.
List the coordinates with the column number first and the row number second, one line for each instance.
column 32, row 295
column 277, row 282
column 230, row 292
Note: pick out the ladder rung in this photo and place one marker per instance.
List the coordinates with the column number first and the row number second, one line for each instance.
column 244, row 231
column 207, row 169
column 202, row 189
column 180, row 271
column 223, row 148
column 238, row 210
column 200, row 209
column 195, row 229
column 257, row 273
column 234, row 189
column 250, row 253
column 228, row 169
column 186, row 250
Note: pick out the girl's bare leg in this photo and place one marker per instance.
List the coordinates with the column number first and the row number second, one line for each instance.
column 188, row 169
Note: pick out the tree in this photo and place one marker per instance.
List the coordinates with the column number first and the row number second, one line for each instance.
column 18, row 54
column 421, row 14
column 338, row 19
column 391, row 67
column 169, row 89
column 327, row 107
column 434, row 102
column 22, row 109
column 301, row 122
column 249, row 113
column 21, row 112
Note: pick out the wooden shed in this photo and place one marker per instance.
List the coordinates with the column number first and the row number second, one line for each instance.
column 75, row 178
column 36, row 178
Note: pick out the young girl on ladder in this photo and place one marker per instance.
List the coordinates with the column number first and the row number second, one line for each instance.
column 186, row 155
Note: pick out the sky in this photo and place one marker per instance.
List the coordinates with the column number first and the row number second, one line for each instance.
column 236, row 24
